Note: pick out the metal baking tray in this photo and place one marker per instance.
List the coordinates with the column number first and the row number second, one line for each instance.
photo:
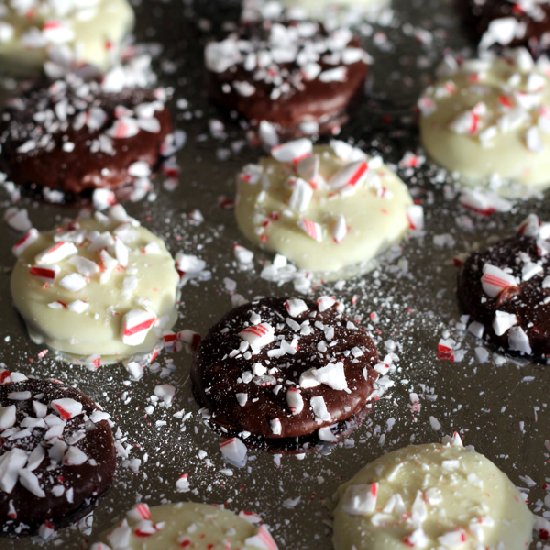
column 501, row 406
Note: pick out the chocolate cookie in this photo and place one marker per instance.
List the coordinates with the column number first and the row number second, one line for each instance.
column 295, row 75
column 284, row 368
column 57, row 454
column 508, row 23
column 73, row 135
column 506, row 290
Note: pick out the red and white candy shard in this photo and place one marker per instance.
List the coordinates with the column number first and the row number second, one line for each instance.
column 325, row 302
column 294, row 400
column 262, row 540
column 140, row 512
column 415, row 217
column 311, row 229
column 503, row 321
column 67, row 407
column 530, row 226
column 251, row 173
column 417, row 539
column 301, row 195
column 73, row 282
column 136, row 324
column 518, row 340
column 234, row 451
column 360, row 500
column 339, row 229
column 24, row 242
column 349, row 176
column 295, row 307
column 453, row 539
column 258, row 336
column 494, row 280
column 293, row 151
column 56, row 253
column 47, row 273
column 319, row 408
column 308, row 168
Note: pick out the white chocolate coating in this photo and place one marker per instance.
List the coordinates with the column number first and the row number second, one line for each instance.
column 355, row 222
column 33, row 31
column 491, row 116
column 186, row 525
column 431, row 496
column 320, row 8
column 90, row 320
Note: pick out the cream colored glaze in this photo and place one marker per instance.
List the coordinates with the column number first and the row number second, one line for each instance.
column 375, row 222
column 507, row 154
column 475, row 488
column 109, row 21
column 97, row 330
column 200, row 524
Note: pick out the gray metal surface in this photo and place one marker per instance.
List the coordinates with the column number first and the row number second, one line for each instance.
column 502, row 408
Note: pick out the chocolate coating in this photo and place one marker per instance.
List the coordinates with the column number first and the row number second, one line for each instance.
column 280, row 92
column 219, row 374
column 477, row 15
column 36, row 128
column 529, row 301
column 86, row 481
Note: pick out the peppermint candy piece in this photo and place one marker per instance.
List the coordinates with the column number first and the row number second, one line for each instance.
column 294, row 400
column 349, row 176
column 301, row 195
column 503, row 321
column 136, row 324
column 276, row 426
column 47, row 273
column 311, row 229
column 308, row 168
column 56, row 253
column 66, row 407
column 24, row 242
column 319, row 408
column 293, row 151
column 494, row 280
column 518, row 340
column 258, row 336
column 325, row 302
column 124, row 128
column 262, row 540
column 73, row 282
column 295, row 306
column 339, row 229
column 453, row 539
column 415, row 217
column 360, row 500
column 7, row 417
column 234, row 451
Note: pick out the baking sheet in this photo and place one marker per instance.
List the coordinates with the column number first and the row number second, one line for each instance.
column 501, row 406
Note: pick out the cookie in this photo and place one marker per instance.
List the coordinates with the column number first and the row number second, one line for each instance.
column 329, row 209
column 508, row 23
column 57, row 454
column 431, row 496
column 35, row 31
column 93, row 137
column 295, row 75
column 506, row 291
column 489, row 118
column 284, row 368
column 186, row 525
column 103, row 287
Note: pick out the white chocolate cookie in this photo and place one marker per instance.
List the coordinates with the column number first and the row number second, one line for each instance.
column 102, row 286
column 33, row 31
column 186, row 525
column 325, row 207
column 491, row 117
column 434, row 497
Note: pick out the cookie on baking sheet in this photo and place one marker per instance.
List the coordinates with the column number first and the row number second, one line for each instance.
column 326, row 208
column 186, row 525
column 431, row 496
column 35, row 31
column 57, row 454
column 296, row 75
column 74, row 135
column 505, row 290
column 102, row 288
column 281, row 368
column 489, row 118
column 508, row 23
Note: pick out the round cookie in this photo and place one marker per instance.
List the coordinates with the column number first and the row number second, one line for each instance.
column 186, row 525
column 94, row 137
column 34, row 31
column 508, row 23
column 103, row 286
column 506, row 290
column 284, row 368
column 431, row 496
column 295, row 75
column 326, row 208
column 490, row 117
column 57, row 454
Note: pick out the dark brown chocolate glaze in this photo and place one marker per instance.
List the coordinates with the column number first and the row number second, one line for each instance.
column 50, row 114
column 217, row 377
column 300, row 100
column 527, row 301
column 478, row 14
column 86, row 481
